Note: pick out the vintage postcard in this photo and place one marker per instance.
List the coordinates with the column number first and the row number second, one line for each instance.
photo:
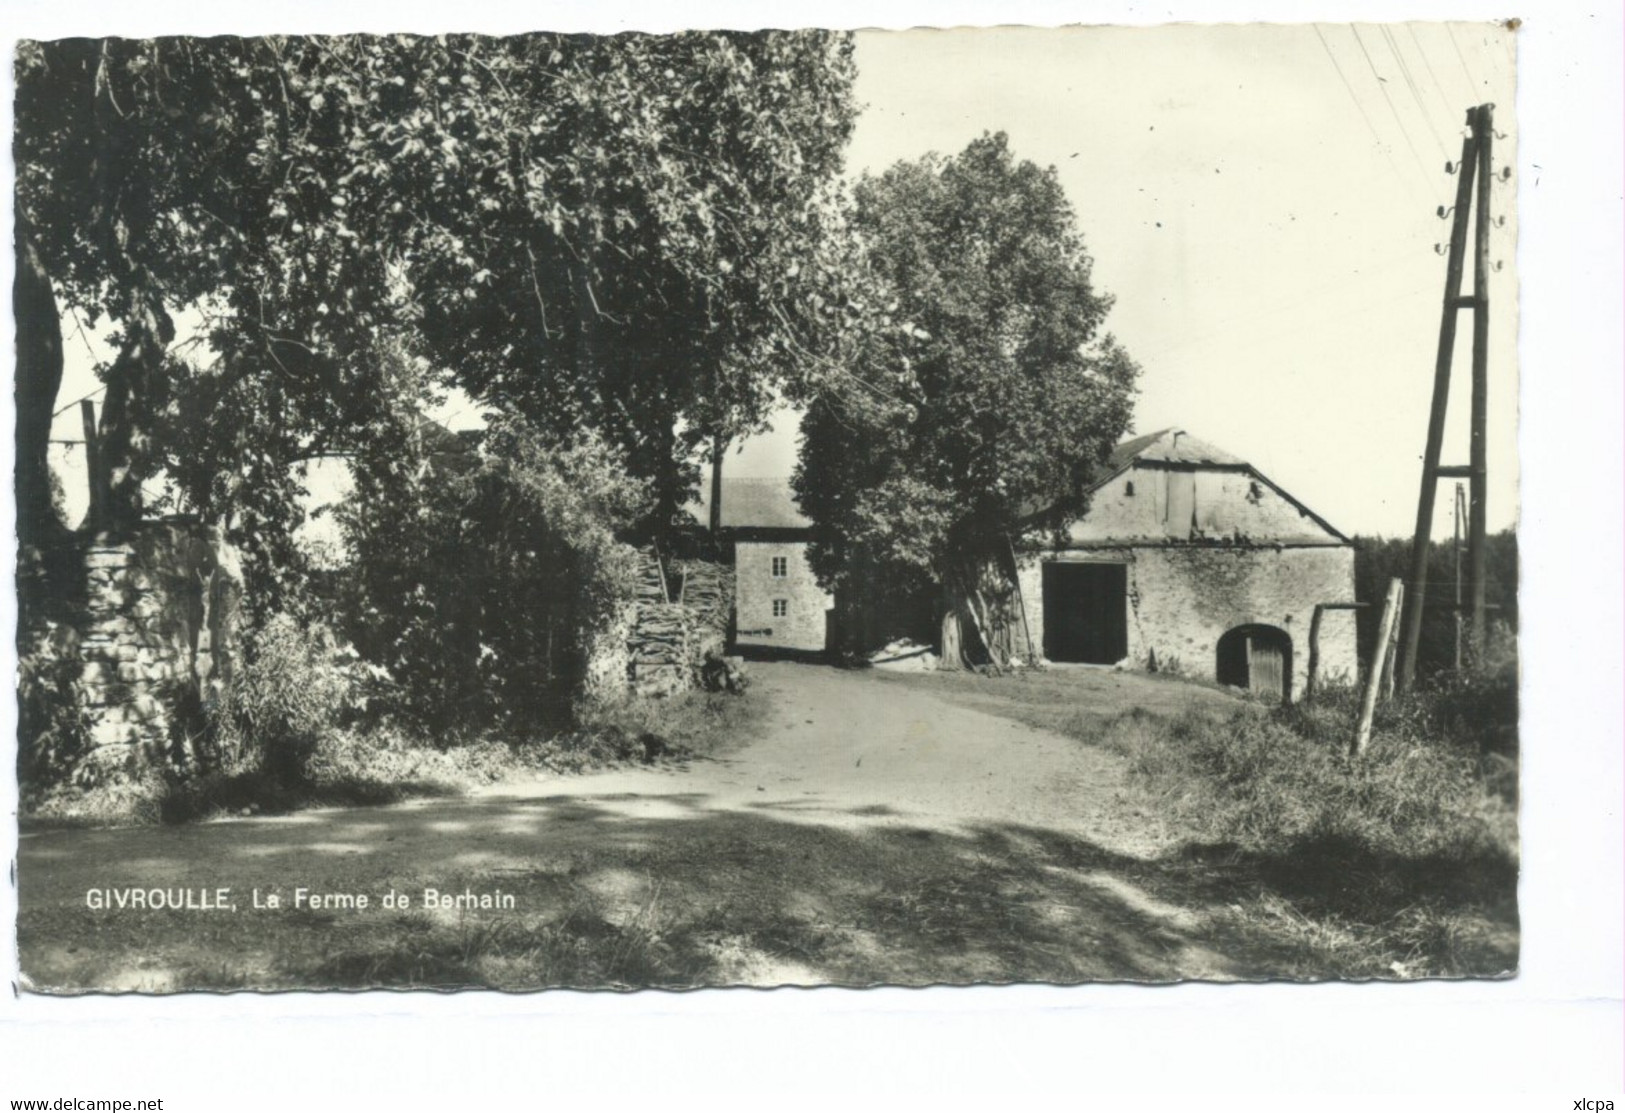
column 814, row 507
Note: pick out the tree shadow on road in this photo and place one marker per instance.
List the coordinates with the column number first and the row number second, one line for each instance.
column 648, row 890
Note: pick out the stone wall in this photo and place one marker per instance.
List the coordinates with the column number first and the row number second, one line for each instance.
column 802, row 625
column 1182, row 598
column 157, row 639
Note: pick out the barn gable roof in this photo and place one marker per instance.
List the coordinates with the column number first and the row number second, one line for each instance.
column 1172, row 446
column 752, row 504
column 1175, row 449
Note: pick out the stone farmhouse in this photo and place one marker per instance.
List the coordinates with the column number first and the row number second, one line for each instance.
column 778, row 603
column 1189, row 560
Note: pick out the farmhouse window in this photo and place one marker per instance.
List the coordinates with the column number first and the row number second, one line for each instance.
column 781, row 567
column 781, row 607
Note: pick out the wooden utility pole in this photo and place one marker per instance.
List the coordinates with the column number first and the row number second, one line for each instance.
column 96, row 512
column 718, row 446
column 1379, row 656
column 1455, row 552
column 1474, row 169
column 1478, row 448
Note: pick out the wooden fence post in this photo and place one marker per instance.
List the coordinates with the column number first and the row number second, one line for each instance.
column 1379, row 660
column 1393, row 648
column 1314, row 654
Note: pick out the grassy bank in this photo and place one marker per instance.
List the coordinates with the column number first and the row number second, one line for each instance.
column 1400, row 863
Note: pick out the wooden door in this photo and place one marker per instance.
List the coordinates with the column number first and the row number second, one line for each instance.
column 1266, row 666
column 1257, row 658
column 1085, row 612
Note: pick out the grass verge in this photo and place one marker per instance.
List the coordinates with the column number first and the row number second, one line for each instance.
column 347, row 768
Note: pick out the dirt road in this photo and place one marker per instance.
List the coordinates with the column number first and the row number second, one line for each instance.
column 852, row 750
column 875, row 832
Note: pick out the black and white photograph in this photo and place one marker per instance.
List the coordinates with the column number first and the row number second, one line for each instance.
column 767, row 508
column 914, row 553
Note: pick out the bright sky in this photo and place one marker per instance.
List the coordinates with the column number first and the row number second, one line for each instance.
column 1261, row 201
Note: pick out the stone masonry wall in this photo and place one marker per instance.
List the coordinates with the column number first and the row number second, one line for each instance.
column 157, row 640
column 1183, row 598
column 802, row 626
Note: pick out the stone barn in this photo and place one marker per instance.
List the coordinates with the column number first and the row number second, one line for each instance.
column 778, row 604
column 1191, row 561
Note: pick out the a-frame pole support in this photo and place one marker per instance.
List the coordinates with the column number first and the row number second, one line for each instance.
column 1474, row 167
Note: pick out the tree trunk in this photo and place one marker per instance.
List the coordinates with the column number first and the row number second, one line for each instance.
column 967, row 598
column 39, row 378
column 984, row 629
column 950, row 656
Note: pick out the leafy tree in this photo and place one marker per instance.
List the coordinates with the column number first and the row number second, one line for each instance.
column 626, row 232
column 210, row 176
column 39, row 363
column 591, row 231
column 983, row 395
column 483, row 575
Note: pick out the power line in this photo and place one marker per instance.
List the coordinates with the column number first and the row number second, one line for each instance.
column 1382, row 87
column 1438, row 86
column 1416, row 93
column 1472, row 83
column 1376, row 137
column 76, row 401
column 80, row 329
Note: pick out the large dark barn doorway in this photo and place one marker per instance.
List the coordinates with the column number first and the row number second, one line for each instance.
column 1086, row 612
column 1259, row 659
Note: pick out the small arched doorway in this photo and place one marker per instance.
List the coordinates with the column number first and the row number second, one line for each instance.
column 1257, row 658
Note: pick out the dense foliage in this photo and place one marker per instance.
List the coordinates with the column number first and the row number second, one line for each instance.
column 1377, row 560
column 981, row 409
column 628, row 232
column 482, row 576
column 605, row 232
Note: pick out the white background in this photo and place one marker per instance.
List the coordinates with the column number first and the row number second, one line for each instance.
column 1551, row 1035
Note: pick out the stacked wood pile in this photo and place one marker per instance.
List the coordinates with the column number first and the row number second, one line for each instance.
column 680, row 620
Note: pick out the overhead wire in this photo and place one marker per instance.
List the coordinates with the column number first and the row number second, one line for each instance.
column 1472, row 82
column 76, row 401
column 1438, row 86
column 1416, row 93
column 1371, row 126
column 1382, row 87
column 79, row 327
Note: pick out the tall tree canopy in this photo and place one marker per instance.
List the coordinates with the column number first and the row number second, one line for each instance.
column 646, row 210
column 983, row 405
column 599, row 232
